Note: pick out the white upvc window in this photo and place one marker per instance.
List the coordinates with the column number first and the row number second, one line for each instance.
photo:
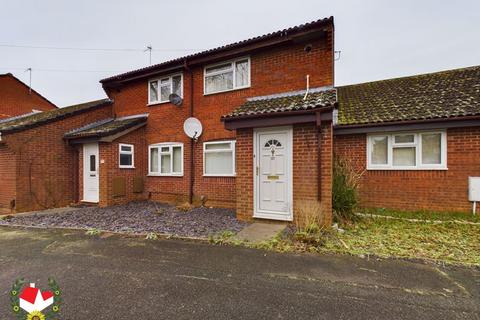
column 219, row 159
column 407, row 151
column 227, row 76
column 159, row 89
column 165, row 159
column 126, row 156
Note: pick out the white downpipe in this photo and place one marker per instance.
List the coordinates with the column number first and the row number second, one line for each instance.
column 474, row 209
column 308, row 87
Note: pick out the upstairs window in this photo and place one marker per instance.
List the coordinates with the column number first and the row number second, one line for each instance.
column 227, row 76
column 160, row 89
column 403, row 151
column 165, row 159
column 125, row 155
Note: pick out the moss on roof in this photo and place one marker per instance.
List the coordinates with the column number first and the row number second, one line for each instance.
column 446, row 94
column 24, row 123
column 284, row 103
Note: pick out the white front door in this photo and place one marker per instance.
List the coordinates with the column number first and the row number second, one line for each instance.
column 273, row 173
column 90, row 173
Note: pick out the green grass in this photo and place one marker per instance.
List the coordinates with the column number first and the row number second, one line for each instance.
column 446, row 242
column 424, row 215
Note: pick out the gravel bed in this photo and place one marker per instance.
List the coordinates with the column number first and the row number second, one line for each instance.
column 139, row 217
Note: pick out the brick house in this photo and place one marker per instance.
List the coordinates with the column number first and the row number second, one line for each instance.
column 16, row 98
column 415, row 138
column 271, row 121
column 37, row 166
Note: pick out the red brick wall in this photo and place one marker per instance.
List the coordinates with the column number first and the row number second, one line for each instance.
column 305, row 169
column 7, row 174
column 441, row 190
column 276, row 70
column 46, row 166
column 109, row 169
column 15, row 98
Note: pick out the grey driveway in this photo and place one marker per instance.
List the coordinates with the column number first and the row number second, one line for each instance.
column 128, row 278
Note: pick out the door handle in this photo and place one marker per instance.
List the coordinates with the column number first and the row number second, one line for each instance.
column 93, row 175
column 256, row 170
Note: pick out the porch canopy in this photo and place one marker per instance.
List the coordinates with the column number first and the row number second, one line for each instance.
column 283, row 109
column 106, row 130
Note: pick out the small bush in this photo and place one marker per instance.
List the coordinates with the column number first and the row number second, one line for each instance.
column 185, row 207
column 310, row 216
column 345, row 190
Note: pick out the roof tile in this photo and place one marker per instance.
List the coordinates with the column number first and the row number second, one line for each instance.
column 285, row 103
column 446, row 94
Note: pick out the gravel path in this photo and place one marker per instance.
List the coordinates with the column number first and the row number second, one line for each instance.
column 139, row 217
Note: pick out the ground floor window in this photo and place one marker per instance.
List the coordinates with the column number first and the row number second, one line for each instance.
column 165, row 159
column 126, row 156
column 219, row 158
column 410, row 150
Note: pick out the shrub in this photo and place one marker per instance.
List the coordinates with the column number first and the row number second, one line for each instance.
column 345, row 190
column 310, row 222
column 185, row 207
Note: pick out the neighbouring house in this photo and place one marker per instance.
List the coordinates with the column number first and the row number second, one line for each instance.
column 37, row 167
column 415, row 138
column 271, row 122
column 16, row 98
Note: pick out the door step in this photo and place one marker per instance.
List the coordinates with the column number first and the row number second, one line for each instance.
column 260, row 231
column 83, row 204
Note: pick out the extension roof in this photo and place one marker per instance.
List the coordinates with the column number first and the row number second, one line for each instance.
column 448, row 94
column 37, row 119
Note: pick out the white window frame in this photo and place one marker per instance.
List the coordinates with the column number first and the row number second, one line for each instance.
column 159, row 146
column 417, row 144
column 131, row 153
column 159, row 79
column 231, row 149
column 232, row 63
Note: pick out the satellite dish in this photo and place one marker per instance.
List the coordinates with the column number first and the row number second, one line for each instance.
column 175, row 99
column 192, row 128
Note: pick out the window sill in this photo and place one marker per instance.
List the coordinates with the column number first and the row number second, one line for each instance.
column 220, row 175
column 122, row 167
column 223, row 91
column 165, row 175
column 151, row 104
column 406, row 169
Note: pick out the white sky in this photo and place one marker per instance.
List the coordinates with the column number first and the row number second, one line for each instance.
column 378, row 39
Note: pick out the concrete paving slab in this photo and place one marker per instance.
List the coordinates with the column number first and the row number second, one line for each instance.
column 260, row 231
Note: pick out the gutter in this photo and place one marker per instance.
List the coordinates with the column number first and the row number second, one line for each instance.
column 458, row 122
column 278, row 113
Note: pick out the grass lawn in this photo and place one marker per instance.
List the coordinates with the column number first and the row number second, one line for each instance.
column 424, row 215
column 448, row 242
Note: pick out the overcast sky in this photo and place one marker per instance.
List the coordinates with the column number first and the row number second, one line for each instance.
column 378, row 39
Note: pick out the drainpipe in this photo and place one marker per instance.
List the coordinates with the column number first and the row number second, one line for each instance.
column 319, row 152
column 192, row 141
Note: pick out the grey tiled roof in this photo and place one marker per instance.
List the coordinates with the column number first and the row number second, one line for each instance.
column 106, row 127
column 446, row 94
column 33, row 120
column 285, row 103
